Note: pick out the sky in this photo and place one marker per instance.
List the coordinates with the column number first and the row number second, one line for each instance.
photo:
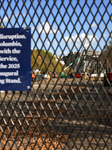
column 61, row 26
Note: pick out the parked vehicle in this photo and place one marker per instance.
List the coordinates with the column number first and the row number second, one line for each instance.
column 107, row 78
column 71, row 75
column 78, row 75
column 33, row 77
column 37, row 77
column 63, row 75
column 54, row 75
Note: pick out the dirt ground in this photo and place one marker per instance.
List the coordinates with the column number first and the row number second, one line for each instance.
column 57, row 114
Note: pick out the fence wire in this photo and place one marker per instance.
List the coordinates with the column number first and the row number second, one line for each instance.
column 70, row 102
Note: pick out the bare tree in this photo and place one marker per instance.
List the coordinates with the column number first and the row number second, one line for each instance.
column 106, row 56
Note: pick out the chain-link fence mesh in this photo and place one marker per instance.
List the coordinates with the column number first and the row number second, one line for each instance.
column 70, row 102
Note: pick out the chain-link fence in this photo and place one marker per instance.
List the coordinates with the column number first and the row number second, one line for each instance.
column 70, row 102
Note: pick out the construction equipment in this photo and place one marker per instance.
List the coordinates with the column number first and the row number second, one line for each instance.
column 63, row 75
column 78, row 62
column 78, row 65
column 37, row 76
